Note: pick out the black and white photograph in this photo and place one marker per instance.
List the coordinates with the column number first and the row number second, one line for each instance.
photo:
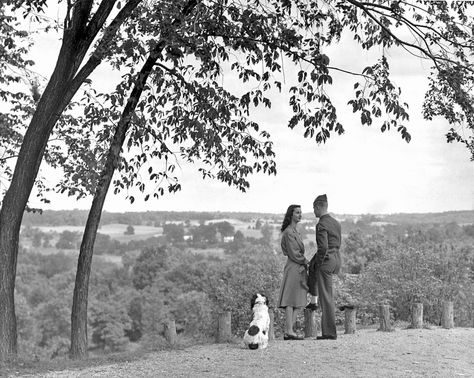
column 233, row 188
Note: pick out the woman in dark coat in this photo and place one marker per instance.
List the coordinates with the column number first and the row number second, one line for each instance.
column 294, row 286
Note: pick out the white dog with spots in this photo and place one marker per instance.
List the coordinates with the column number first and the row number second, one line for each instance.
column 256, row 337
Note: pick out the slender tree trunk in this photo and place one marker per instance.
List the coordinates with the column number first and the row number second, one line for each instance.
column 81, row 288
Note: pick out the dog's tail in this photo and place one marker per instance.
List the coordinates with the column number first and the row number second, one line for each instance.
column 253, row 330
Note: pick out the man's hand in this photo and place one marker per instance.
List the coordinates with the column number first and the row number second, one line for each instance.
column 312, row 263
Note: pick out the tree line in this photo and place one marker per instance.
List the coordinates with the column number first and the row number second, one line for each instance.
column 149, row 218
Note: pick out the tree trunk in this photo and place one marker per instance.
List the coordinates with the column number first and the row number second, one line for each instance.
column 224, row 333
column 384, row 315
column 417, row 315
column 62, row 86
column 13, row 206
column 8, row 334
column 310, row 323
column 447, row 318
column 81, row 288
column 350, row 320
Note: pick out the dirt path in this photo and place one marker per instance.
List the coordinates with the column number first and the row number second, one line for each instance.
column 404, row 353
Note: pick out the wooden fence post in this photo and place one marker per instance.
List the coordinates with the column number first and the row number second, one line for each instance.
column 349, row 319
column 271, row 329
column 170, row 332
column 223, row 327
column 447, row 317
column 417, row 315
column 384, row 315
column 310, row 323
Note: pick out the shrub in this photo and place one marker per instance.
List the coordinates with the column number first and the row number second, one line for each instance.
column 426, row 273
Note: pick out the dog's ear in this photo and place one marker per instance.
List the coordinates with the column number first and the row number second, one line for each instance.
column 252, row 301
column 266, row 299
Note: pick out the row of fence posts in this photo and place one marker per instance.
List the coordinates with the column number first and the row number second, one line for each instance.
column 311, row 322
column 447, row 317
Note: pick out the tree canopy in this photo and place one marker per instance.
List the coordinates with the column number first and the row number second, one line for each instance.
column 188, row 113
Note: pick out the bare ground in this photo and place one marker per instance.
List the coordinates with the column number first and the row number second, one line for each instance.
column 410, row 353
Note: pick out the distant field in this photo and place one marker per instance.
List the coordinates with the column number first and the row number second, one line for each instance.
column 115, row 231
column 60, row 229
column 113, row 259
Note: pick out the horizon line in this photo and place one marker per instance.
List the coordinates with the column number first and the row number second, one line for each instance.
column 246, row 212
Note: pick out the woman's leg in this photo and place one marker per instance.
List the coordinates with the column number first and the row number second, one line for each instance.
column 289, row 320
column 295, row 315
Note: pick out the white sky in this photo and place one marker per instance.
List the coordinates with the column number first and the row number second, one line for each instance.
column 362, row 171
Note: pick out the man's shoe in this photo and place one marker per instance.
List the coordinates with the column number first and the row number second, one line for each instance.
column 311, row 306
column 326, row 337
column 287, row 336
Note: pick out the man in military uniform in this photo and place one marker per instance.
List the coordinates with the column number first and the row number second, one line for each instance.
column 325, row 263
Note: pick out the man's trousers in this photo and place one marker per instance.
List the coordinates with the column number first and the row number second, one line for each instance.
column 331, row 265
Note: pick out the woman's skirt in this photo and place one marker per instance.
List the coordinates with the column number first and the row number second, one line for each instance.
column 294, row 286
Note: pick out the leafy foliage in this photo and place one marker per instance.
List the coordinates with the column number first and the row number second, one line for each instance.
column 173, row 232
column 109, row 322
column 187, row 113
column 149, row 264
column 68, row 240
column 397, row 263
column 426, row 273
column 15, row 75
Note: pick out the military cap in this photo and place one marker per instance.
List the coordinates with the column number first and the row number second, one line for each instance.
column 321, row 198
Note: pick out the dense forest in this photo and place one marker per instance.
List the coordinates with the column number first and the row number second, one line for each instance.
column 189, row 266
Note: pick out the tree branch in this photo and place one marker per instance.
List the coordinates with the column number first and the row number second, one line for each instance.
column 99, row 19
column 98, row 54
column 435, row 58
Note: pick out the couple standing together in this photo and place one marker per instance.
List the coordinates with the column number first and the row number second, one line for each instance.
column 315, row 276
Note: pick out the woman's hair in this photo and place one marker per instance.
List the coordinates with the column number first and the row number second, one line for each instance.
column 288, row 215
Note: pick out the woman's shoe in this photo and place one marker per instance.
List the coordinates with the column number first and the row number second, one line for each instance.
column 287, row 336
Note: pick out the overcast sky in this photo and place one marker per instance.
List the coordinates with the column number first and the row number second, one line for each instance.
column 362, row 171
